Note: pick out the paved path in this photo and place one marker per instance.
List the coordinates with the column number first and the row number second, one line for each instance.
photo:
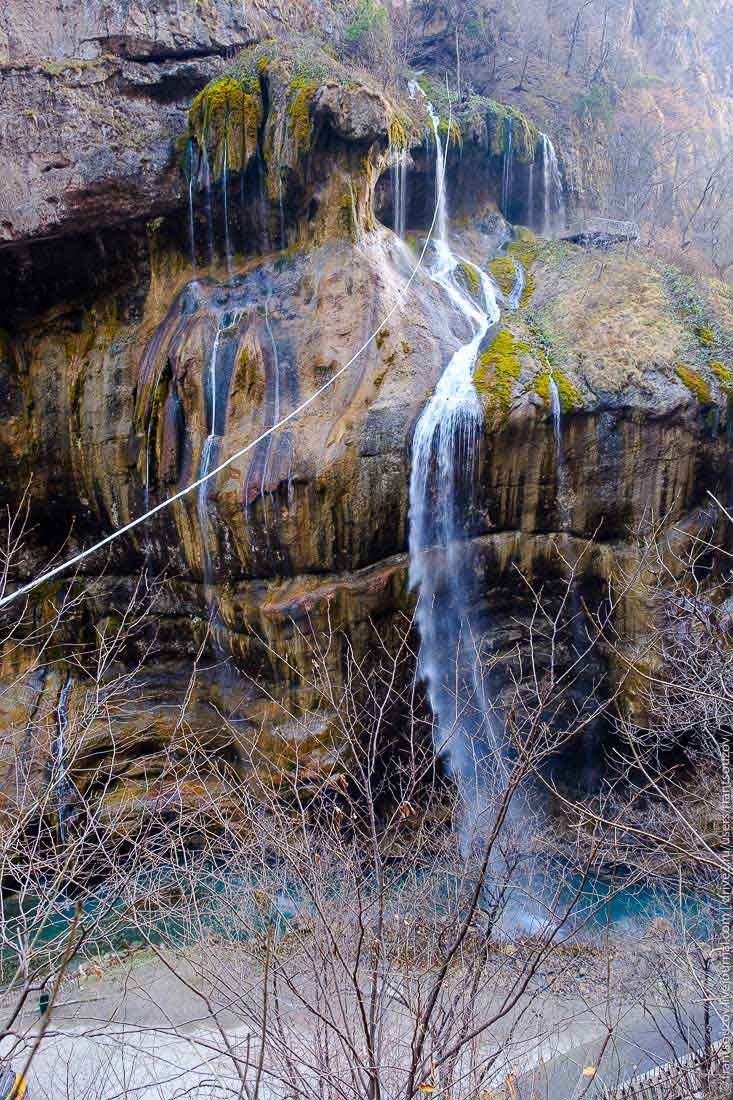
column 141, row 1035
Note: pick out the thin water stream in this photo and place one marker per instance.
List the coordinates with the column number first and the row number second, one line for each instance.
column 63, row 783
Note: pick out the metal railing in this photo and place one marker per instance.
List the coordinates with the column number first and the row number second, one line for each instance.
column 604, row 229
column 682, row 1079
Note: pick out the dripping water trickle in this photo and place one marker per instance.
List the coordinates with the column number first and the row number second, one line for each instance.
column 576, row 619
column 262, row 201
column 191, row 223
column 399, row 191
column 530, row 196
column 556, row 417
column 208, row 457
column 206, row 171
column 63, row 784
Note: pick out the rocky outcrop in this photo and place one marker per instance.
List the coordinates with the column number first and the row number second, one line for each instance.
column 88, row 143
column 291, row 540
column 141, row 31
column 126, row 378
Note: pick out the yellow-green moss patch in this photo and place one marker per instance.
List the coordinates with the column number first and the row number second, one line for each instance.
column 499, row 368
column 301, row 97
column 398, row 138
column 499, row 119
column 225, row 118
column 569, row 395
column 451, row 132
column 470, row 276
column 503, row 272
column 723, row 374
column 705, row 335
column 697, row 386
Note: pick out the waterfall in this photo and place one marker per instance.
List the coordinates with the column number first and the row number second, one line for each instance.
column 208, row 456
column 556, row 417
column 191, row 229
column 561, row 468
column 275, row 407
column 508, row 168
column 283, row 238
column 530, row 196
column 440, row 220
column 552, row 189
column 576, row 618
column 442, row 483
column 209, row 210
column 399, row 191
column 62, row 781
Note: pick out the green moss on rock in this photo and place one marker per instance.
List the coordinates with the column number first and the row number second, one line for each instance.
column 346, row 216
column 569, row 395
column 503, row 272
column 469, row 276
column 697, row 385
column 299, row 111
column 224, row 119
column 398, row 133
column 500, row 119
column 723, row 373
column 228, row 113
column 498, row 370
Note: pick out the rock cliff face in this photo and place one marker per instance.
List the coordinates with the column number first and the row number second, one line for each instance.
column 131, row 363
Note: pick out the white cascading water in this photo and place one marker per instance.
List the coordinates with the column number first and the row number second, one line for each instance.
column 191, row 224
column 556, row 417
column 205, row 168
column 208, row 456
column 442, row 482
column 530, row 196
column 283, row 236
column 399, row 190
column 63, row 784
column 552, row 190
column 275, row 413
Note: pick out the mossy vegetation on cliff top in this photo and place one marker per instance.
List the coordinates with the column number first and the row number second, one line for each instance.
column 299, row 111
column 225, row 118
column 478, row 113
column 500, row 119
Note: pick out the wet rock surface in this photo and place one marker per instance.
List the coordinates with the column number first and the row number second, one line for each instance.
column 130, row 363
